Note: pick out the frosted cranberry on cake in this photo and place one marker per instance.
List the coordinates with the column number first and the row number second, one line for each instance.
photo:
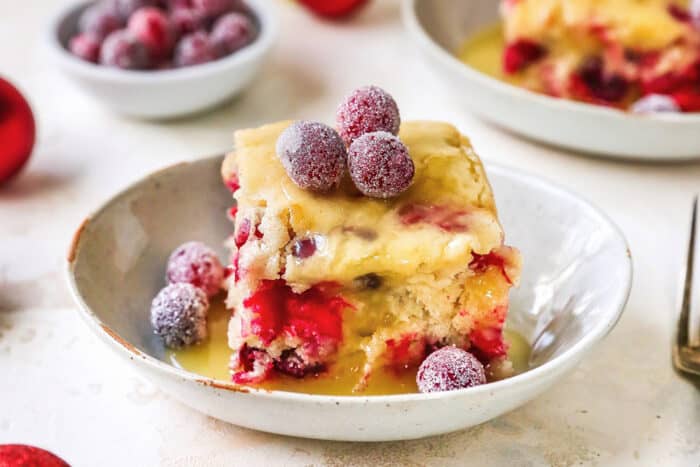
column 607, row 52
column 398, row 255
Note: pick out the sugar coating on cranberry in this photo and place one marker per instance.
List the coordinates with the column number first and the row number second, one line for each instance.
column 196, row 264
column 172, row 4
column 153, row 29
column 99, row 20
column 126, row 8
column 312, row 154
column 85, row 46
column 655, row 103
column 366, row 110
column 231, row 32
column 187, row 20
column 694, row 11
column 293, row 364
column 122, row 50
column 449, row 368
column 380, row 165
column 215, row 7
column 194, row 49
column 179, row 315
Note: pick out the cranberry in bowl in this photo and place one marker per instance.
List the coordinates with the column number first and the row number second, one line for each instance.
column 159, row 60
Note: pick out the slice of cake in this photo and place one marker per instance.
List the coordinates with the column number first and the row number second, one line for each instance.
column 320, row 276
column 608, row 52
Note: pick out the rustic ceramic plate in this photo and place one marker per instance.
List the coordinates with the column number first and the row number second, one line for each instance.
column 575, row 283
column 440, row 28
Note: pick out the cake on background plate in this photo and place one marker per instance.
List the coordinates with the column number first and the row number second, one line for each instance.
column 643, row 54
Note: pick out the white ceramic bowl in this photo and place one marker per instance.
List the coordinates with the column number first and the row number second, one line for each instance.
column 167, row 93
column 575, row 283
column 440, row 27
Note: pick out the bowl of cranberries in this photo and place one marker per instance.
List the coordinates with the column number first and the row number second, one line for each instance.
column 163, row 58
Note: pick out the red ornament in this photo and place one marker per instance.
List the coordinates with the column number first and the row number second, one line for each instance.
column 21, row 455
column 333, row 8
column 17, row 131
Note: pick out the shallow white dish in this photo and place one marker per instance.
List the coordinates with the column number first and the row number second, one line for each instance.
column 166, row 93
column 575, row 283
column 440, row 27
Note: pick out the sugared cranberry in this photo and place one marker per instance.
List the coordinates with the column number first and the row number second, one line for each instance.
column 694, row 11
column 153, row 29
column 194, row 49
column 333, row 8
column 126, row 8
column 380, row 165
column 173, row 4
column 85, row 46
column 304, row 248
column 292, row 364
column 312, row 154
column 197, row 264
column 603, row 86
column 655, row 103
column 450, row 368
column 366, row 110
column 231, row 32
column 21, row 455
column 17, row 131
column 99, row 20
column 520, row 54
column 179, row 315
column 122, row 50
column 187, row 20
column 213, row 8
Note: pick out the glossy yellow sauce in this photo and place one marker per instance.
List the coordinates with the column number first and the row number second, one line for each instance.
column 483, row 51
column 211, row 359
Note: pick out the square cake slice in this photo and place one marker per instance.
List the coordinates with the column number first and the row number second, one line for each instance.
column 322, row 277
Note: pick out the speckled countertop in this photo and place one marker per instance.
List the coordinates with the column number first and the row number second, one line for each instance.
column 60, row 389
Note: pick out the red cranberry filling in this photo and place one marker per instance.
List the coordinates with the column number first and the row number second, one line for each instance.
column 304, row 248
column 480, row 263
column 243, row 233
column 443, row 217
column 290, row 363
column 521, row 53
column 314, row 315
column 488, row 343
column 591, row 82
column 253, row 365
column 232, row 183
column 407, row 351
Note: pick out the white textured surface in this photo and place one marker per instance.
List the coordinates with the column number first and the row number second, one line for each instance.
column 62, row 390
